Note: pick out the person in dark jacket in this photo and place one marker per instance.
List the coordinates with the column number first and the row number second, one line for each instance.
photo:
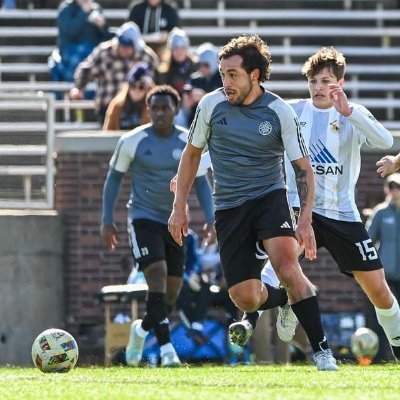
column 155, row 19
column 81, row 27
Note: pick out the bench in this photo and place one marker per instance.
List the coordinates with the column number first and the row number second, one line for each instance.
column 222, row 15
column 117, row 334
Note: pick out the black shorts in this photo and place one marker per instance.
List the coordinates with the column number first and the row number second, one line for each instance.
column 150, row 241
column 239, row 229
column 348, row 243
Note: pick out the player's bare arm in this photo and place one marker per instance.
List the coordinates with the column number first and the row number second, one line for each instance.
column 188, row 166
column 388, row 164
column 306, row 189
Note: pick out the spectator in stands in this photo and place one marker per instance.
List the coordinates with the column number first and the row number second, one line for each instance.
column 81, row 27
column 384, row 229
column 128, row 109
column 203, row 286
column 208, row 77
column 109, row 64
column 179, row 64
column 8, row 5
column 152, row 154
column 190, row 99
column 155, row 19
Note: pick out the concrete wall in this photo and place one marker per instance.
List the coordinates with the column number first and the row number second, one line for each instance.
column 32, row 294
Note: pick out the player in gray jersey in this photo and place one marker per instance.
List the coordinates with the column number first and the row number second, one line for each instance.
column 151, row 153
column 247, row 130
column 334, row 130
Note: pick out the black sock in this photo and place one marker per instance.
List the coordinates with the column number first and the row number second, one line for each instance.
column 277, row 296
column 307, row 312
column 161, row 331
column 252, row 317
column 156, row 310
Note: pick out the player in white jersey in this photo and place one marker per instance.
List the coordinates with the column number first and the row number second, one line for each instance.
column 334, row 130
column 247, row 130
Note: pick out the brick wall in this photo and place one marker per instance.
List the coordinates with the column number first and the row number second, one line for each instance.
column 82, row 163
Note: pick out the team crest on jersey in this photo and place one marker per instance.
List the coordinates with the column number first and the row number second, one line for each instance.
column 335, row 126
column 265, row 128
column 176, row 154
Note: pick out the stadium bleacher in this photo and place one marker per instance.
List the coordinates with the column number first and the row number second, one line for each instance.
column 366, row 31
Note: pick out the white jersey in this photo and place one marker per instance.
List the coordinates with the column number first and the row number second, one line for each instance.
column 334, row 143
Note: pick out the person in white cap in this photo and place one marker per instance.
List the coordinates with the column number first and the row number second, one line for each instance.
column 109, row 64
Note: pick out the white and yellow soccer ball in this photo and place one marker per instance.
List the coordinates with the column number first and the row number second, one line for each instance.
column 364, row 345
column 55, row 350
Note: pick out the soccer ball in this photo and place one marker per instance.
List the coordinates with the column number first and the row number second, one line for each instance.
column 364, row 345
column 55, row 350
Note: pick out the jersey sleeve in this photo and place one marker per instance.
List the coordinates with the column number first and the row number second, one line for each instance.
column 292, row 138
column 125, row 151
column 369, row 129
column 200, row 128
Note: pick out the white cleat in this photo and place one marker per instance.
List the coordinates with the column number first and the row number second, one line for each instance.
column 170, row 360
column 325, row 361
column 286, row 323
column 134, row 349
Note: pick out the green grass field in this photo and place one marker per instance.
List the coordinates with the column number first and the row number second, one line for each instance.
column 205, row 383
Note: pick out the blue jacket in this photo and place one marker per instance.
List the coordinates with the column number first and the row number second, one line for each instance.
column 384, row 228
column 74, row 27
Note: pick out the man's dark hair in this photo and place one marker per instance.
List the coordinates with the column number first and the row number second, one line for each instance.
column 164, row 90
column 254, row 52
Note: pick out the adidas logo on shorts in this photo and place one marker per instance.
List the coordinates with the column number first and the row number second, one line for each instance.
column 286, row 225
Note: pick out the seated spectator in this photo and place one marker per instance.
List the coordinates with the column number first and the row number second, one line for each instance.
column 207, row 78
column 178, row 64
column 190, row 97
column 109, row 64
column 128, row 109
column 155, row 19
column 81, row 27
column 203, row 286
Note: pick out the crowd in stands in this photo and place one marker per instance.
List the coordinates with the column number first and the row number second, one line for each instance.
column 88, row 49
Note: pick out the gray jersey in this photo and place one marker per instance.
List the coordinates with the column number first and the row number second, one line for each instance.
column 153, row 161
column 246, row 145
column 334, row 142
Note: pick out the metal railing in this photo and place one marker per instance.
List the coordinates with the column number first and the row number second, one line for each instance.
column 26, row 152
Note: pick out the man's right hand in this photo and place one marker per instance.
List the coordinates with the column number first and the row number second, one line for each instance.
column 109, row 236
column 178, row 225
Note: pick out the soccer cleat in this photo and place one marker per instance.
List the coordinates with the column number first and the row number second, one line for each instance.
column 134, row 349
column 170, row 360
column 286, row 323
column 240, row 332
column 325, row 361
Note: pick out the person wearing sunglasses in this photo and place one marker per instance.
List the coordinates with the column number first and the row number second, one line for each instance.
column 127, row 110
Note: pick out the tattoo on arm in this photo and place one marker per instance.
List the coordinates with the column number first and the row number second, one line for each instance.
column 302, row 186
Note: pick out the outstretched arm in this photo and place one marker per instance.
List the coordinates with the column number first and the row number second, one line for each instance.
column 306, row 189
column 188, row 166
